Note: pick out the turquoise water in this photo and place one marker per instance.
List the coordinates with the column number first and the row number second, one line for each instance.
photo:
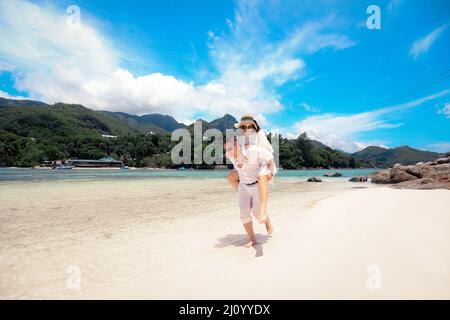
column 26, row 174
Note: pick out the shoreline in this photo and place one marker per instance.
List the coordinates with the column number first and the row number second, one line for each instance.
column 25, row 175
column 197, row 169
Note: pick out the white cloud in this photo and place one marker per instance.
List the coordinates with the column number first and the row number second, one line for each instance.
column 261, row 120
column 394, row 4
column 309, row 107
column 6, row 95
column 422, row 45
column 312, row 79
column 53, row 62
column 444, row 109
column 186, row 122
column 341, row 131
column 441, row 147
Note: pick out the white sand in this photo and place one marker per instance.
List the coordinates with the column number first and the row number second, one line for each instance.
column 181, row 238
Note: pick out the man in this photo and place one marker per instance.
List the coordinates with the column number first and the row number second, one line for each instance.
column 255, row 166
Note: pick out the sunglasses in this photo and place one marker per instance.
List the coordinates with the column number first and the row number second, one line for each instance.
column 247, row 127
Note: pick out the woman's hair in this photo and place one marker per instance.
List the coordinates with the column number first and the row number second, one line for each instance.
column 257, row 128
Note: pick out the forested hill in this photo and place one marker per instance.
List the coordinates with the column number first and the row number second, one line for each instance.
column 30, row 135
column 156, row 123
column 382, row 157
column 60, row 120
column 32, row 132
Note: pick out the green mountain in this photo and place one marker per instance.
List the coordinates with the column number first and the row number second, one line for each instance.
column 155, row 122
column 223, row 123
column 165, row 122
column 318, row 144
column 20, row 103
column 60, row 120
column 226, row 122
column 30, row 135
column 383, row 158
column 32, row 132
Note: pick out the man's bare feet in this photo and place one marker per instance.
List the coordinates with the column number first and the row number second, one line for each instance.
column 249, row 244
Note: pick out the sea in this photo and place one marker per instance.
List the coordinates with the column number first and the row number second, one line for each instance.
column 31, row 174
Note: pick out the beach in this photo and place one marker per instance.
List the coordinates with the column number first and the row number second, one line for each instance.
column 181, row 238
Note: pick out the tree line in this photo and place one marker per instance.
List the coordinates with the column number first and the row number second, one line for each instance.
column 147, row 150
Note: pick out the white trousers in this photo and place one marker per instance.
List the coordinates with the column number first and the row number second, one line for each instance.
column 249, row 202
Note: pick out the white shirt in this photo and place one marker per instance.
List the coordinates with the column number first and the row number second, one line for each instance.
column 252, row 162
column 262, row 141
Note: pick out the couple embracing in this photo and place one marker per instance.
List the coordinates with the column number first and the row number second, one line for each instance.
column 254, row 166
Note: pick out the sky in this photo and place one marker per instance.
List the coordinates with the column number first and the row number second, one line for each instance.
column 348, row 73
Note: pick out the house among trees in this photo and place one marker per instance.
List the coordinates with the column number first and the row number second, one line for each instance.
column 108, row 136
column 105, row 162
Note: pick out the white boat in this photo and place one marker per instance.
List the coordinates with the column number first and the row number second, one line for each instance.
column 61, row 166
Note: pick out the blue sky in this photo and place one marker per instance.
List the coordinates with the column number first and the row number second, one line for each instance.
column 298, row 66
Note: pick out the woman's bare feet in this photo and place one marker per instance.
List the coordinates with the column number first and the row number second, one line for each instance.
column 263, row 214
column 233, row 179
column 269, row 227
column 249, row 244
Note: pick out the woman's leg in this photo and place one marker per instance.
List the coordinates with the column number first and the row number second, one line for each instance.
column 269, row 226
column 264, row 195
column 233, row 179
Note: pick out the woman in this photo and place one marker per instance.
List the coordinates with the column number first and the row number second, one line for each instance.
column 251, row 155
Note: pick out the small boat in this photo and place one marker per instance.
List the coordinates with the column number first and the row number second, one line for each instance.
column 61, row 166
column 124, row 167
